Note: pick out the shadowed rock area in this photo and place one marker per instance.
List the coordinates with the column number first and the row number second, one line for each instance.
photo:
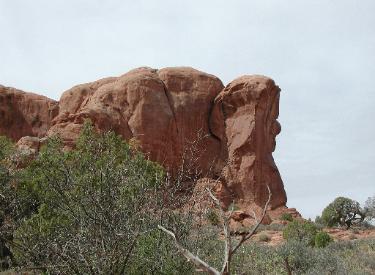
column 181, row 117
column 25, row 114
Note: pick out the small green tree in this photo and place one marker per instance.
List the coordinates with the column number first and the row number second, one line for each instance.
column 286, row 217
column 301, row 231
column 213, row 217
column 342, row 211
column 322, row 239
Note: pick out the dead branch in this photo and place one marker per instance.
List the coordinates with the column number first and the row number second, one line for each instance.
column 229, row 251
column 188, row 255
column 252, row 232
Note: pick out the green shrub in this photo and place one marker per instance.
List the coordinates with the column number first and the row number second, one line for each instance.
column 15, row 205
column 263, row 237
column 302, row 231
column 274, row 227
column 261, row 228
column 286, row 217
column 302, row 259
column 213, row 217
column 356, row 256
column 322, row 239
column 97, row 210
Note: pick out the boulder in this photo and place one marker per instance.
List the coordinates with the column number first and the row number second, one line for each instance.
column 29, row 144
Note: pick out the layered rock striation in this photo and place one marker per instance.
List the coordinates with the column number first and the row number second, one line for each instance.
column 182, row 118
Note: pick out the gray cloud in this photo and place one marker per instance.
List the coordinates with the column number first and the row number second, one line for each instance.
column 321, row 53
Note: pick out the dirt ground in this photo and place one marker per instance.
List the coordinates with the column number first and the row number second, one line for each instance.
column 338, row 234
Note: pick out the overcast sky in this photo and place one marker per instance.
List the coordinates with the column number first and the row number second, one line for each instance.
column 320, row 52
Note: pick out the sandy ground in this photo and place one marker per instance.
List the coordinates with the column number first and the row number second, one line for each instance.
column 276, row 237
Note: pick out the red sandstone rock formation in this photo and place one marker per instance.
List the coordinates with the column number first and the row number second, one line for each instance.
column 165, row 110
column 179, row 116
column 244, row 119
column 25, row 114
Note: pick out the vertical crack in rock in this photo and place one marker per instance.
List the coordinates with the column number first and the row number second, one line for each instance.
column 169, row 100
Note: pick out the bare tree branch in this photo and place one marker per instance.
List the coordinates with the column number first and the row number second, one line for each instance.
column 251, row 233
column 228, row 249
column 226, row 230
column 190, row 256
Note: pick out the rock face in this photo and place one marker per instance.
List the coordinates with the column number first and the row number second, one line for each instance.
column 244, row 119
column 183, row 118
column 25, row 114
column 165, row 110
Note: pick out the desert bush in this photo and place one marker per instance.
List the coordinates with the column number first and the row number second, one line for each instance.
column 344, row 212
column 286, row 217
column 296, row 256
column 322, row 239
column 301, row 259
column 6, row 198
column 261, row 228
column 270, row 227
column 97, row 210
column 302, row 231
column 213, row 217
column 356, row 256
column 274, row 227
column 154, row 254
column 15, row 203
column 263, row 237
column 254, row 258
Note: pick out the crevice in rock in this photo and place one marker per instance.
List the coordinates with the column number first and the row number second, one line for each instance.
column 169, row 100
column 210, row 111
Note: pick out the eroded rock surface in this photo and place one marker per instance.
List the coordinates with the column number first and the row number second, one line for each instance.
column 181, row 117
column 244, row 119
column 25, row 114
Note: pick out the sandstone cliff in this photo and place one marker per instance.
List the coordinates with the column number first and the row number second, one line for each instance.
column 25, row 114
column 180, row 116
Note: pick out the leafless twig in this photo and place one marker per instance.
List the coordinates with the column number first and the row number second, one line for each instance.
column 229, row 250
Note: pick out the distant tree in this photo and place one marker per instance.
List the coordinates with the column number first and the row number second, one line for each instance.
column 344, row 212
column 318, row 220
column 369, row 208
